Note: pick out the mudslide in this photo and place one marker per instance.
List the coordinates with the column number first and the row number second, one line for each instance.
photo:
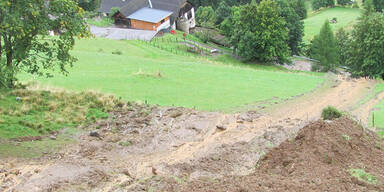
column 137, row 148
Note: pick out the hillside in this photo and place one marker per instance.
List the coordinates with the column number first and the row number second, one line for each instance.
column 137, row 71
column 346, row 17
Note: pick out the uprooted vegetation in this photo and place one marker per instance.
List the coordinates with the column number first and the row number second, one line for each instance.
column 31, row 113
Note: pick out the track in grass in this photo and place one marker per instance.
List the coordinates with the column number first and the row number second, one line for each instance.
column 140, row 72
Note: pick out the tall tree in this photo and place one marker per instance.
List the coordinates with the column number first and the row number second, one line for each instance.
column 24, row 45
column 89, row 5
column 317, row 4
column 344, row 2
column 324, row 49
column 366, row 57
column 300, row 8
column 294, row 25
column 260, row 33
column 342, row 41
column 222, row 12
column 206, row 16
column 379, row 5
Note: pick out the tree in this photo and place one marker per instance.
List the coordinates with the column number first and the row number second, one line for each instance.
column 379, row 5
column 342, row 41
column 324, row 49
column 317, row 4
column 366, row 56
column 344, row 2
column 205, row 16
column 294, row 25
column 260, row 33
column 222, row 12
column 89, row 5
column 300, row 8
column 24, row 45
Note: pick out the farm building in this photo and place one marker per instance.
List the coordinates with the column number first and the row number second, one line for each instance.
column 151, row 14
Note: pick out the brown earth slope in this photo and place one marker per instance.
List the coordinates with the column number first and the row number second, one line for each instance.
column 319, row 158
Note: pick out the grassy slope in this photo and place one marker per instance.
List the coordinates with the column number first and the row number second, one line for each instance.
column 379, row 113
column 41, row 112
column 346, row 17
column 185, row 81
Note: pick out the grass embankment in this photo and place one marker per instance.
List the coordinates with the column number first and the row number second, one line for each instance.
column 28, row 116
column 141, row 72
column 378, row 111
column 346, row 17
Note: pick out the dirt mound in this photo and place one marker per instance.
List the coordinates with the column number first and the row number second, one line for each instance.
column 321, row 157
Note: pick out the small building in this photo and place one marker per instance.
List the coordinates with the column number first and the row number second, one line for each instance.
column 182, row 13
column 150, row 19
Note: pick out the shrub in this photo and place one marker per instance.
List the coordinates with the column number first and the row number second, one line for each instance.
column 330, row 113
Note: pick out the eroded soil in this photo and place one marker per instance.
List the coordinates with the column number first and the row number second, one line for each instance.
column 144, row 148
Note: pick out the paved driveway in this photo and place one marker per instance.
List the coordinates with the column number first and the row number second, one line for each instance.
column 121, row 33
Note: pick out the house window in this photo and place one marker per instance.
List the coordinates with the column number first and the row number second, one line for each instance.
column 162, row 21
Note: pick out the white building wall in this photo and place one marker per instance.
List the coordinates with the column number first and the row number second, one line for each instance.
column 165, row 25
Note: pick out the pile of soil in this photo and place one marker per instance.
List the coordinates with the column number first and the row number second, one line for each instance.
column 319, row 158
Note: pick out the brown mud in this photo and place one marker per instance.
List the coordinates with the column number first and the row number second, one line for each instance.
column 141, row 148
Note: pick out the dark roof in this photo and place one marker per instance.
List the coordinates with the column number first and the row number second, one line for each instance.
column 150, row 15
column 128, row 7
column 106, row 5
column 133, row 6
column 169, row 5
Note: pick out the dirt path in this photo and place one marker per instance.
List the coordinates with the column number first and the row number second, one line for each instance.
column 177, row 142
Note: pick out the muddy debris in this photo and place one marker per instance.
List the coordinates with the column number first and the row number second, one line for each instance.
column 319, row 158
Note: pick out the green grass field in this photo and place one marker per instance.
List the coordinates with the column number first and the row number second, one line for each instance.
column 147, row 74
column 346, row 17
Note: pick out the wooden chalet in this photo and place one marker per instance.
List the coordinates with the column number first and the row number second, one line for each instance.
column 151, row 14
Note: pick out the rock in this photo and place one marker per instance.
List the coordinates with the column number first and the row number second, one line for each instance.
column 94, row 134
column 221, row 127
column 126, row 172
column 52, row 137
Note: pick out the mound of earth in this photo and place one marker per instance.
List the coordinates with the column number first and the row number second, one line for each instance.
column 320, row 158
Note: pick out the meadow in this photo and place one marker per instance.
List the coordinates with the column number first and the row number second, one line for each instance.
column 136, row 71
column 346, row 17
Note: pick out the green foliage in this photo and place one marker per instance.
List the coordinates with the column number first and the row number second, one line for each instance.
column 300, row 8
column 113, row 11
column 379, row 5
column 96, row 113
column 317, row 4
column 222, row 12
column 24, row 44
column 253, row 40
column 187, row 81
column 100, row 22
column 355, row 5
column 294, row 25
column 324, row 49
column 330, row 113
column 204, row 35
column 40, row 112
column 344, row 2
column 366, row 58
column 206, row 16
column 342, row 41
column 89, row 5
column 363, row 176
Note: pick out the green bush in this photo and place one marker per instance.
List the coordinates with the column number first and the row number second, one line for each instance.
column 330, row 113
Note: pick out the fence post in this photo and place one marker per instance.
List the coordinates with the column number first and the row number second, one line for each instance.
column 373, row 119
